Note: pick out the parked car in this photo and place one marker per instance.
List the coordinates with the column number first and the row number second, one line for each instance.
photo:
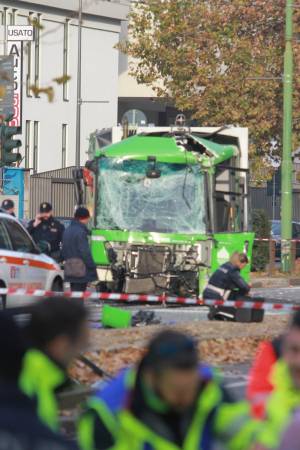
column 276, row 235
column 22, row 265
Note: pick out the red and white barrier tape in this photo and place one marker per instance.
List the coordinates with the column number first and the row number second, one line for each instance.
column 144, row 298
column 275, row 240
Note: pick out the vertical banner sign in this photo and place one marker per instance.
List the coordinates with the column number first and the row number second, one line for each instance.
column 14, row 48
column 6, row 87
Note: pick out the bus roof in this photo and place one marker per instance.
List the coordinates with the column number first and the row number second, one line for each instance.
column 191, row 149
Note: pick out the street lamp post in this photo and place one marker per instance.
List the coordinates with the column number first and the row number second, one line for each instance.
column 79, row 99
column 286, row 167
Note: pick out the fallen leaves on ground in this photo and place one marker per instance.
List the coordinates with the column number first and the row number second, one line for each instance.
column 219, row 343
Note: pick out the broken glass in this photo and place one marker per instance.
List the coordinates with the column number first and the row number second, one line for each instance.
column 128, row 200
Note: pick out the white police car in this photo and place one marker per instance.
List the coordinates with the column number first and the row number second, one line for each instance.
column 21, row 263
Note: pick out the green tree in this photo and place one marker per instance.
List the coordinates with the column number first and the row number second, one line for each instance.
column 222, row 60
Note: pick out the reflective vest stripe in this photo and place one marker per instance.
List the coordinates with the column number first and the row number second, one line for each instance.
column 109, row 420
column 39, row 378
column 233, row 425
column 85, row 432
column 139, row 434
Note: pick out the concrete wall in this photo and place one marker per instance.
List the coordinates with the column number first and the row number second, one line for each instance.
column 99, row 75
column 128, row 86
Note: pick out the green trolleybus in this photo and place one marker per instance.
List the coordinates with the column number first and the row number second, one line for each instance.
column 169, row 206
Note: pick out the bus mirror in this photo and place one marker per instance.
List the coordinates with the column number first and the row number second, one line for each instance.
column 152, row 171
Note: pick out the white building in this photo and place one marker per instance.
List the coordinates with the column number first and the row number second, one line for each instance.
column 141, row 98
column 49, row 129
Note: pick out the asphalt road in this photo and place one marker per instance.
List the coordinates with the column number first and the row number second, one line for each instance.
column 282, row 295
column 173, row 314
column 235, row 379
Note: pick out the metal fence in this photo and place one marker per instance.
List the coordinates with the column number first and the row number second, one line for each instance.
column 271, row 204
column 55, row 187
column 267, row 256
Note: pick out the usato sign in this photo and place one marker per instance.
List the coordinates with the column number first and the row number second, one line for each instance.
column 20, row 33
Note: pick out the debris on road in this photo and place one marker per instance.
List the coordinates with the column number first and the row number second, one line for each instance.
column 113, row 317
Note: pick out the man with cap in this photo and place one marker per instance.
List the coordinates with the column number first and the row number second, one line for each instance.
column 8, row 207
column 80, row 268
column 44, row 228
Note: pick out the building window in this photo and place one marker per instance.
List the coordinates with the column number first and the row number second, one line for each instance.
column 29, row 62
column 36, row 126
column 66, row 60
column 12, row 17
column 4, row 23
column 64, row 144
column 27, row 144
column 9, row 18
column 28, row 51
column 135, row 117
column 4, row 18
column 37, row 56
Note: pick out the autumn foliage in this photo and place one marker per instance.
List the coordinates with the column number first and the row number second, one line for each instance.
column 220, row 59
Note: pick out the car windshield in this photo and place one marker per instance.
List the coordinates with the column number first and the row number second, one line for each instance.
column 129, row 200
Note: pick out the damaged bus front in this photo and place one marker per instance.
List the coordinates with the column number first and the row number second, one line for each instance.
column 170, row 205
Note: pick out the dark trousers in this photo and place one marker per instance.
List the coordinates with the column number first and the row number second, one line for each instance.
column 237, row 314
column 78, row 287
column 228, row 311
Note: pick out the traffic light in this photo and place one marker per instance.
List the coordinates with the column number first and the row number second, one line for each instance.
column 8, row 157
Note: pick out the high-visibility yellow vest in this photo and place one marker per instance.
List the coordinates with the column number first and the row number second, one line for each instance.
column 284, row 400
column 39, row 379
column 231, row 422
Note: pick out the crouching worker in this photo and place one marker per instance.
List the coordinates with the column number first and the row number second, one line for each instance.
column 169, row 401
column 226, row 283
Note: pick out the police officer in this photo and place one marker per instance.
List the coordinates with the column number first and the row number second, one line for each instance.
column 226, row 283
column 44, row 228
column 8, row 206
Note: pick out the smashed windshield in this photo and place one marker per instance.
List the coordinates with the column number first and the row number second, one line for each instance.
column 129, row 200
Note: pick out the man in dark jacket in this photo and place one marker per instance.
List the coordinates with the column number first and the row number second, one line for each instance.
column 20, row 426
column 226, row 283
column 80, row 268
column 44, row 228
